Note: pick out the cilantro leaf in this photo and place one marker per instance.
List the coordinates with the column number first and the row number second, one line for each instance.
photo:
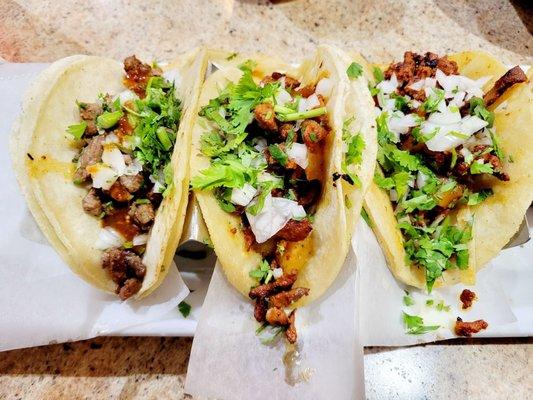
column 366, row 217
column 481, row 168
column 184, row 308
column 479, row 197
column 432, row 102
column 354, row 71
column 477, row 108
column 77, row 130
column 263, row 272
column 107, row 120
column 408, row 299
column 278, row 154
column 415, row 325
column 378, row 74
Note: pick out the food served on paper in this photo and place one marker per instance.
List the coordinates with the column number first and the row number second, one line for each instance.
column 280, row 164
column 101, row 153
column 455, row 164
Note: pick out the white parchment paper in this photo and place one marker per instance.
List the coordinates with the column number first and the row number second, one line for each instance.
column 41, row 301
column 228, row 361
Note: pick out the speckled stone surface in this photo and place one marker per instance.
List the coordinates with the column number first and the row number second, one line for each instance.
column 155, row 368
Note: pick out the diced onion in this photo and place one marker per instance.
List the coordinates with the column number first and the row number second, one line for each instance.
column 102, row 176
column 424, row 83
column 298, row 153
column 113, row 157
column 159, row 184
column 141, row 239
column 108, row 238
column 467, row 155
column 261, row 145
column 244, row 196
column 388, row 85
column 173, row 76
column 324, row 87
column 452, row 135
column 447, row 117
column 421, row 179
column 393, row 195
column 313, row 102
column 134, row 168
column 126, row 95
column 277, row 273
column 400, row 123
column 275, row 214
column 283, row 97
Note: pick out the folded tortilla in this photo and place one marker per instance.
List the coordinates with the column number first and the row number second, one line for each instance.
column 46, row 178
column 319, row 257
column 498, row 218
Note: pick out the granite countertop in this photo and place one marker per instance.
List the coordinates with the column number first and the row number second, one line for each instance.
column 127, row 368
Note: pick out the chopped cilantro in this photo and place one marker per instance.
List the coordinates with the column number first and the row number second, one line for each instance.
column 366, row 217
column 408, row 299
column 432, row 102
column 77, row 130
column 481, row 168
column 415, row 325
column 354, row 71
column 378, row 74
column 278, row 154
column 429, row 302
column 477, row 108
column 107, row 120
column 476, row 198
column 184, row 308
column 442, row 307
column 262, row 273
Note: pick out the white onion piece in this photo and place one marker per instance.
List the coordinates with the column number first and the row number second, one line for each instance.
column 283, row 97
column 393, row 195
column 173, row 76
column 113, row 157
column 445, row 140
column 421, row 179
column 276, row 212
column 261, row 145
column 126, row 95
column 139, row 240
column 302, row 105
column 467, row 155
column 244, row 196
column 388, row 85
column 108, row 238
column 102, row 176
column 313, row 102
column 455, row 83
column 111, row 138
column 159, row 185
column 458, row 99
column 445, row 118
column 277, row 273
column 399, row 123
column 134, row 168
column 298, row 153
column 324, row 87
column 424, row 83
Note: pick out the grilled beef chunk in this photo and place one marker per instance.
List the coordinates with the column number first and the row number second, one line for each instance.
column 119, row 193
column 91, row 154
column 511, row 77
column 290, row 333
column 260, row 309
column 282, row 283
column 91, row 203
column 284, row 130
column 307, row 192
column 468, row 328
column 284, row 299
column 265, row 117
column 306, row 91
column 138, row 74
column 290, row 82
column 249, row 237
column 467, row 297
column 132, row 183
column 294, row 231
column 88, row 113
column 276, row 316
column 313, row 133
column 124, row 266
column 142, row 214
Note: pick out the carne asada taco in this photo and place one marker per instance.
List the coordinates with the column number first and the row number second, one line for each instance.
column 455, row 164
column 280, row 164
column 101, row 153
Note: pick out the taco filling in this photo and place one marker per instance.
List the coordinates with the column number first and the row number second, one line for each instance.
column 266, row 145
column 126, row 143
column 438, row 151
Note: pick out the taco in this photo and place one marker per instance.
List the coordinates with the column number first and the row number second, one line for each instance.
column 455, row 168
column 280, row 163
column 101, row 154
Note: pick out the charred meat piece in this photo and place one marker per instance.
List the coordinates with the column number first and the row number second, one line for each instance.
column 88, row 113
column 249, row 237
column 132, row 183
column 496, row 166
column 137, row 75
column 468, row 328
column 284, row 299
column 294, row 231
column 511, row 77
column 91, row 203
column 313, row 133
column 284, row 282
column 467, row 297
column 155, row 198
column 265, row 116
column 119, row 193
column 307, row 192
column 124, row 267
column 260, row 309
column 142, row 214
column 409, row 143
column 306, row 91
column 290, row 333
column 284, row 130
column 91, row 154
column 276, row 316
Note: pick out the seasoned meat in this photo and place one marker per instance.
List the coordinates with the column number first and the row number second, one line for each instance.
column 276, row 316
column 284, row 130
column 155, row 198
column 290, row 333
column 284, row 282
column 88, row 113
column 91, row 154
column 290, row 82
column 131, row 286
column 306, row 91
column 249, row 238
column 409, row 143
column 294, row 231
column 132, row 183
column 260, row 309
column 124, row 267
column 119, row 193
column 468, row 328
column 265, row 116
column 496, row 165
column 137, row 75
column 511, row 77
column 142, row 214
column 313, row 133
column 307, row 192
column 467, row 297
column 284, row 299
column 91, row 203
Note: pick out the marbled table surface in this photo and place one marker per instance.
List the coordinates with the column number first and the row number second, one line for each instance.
column 146, row 368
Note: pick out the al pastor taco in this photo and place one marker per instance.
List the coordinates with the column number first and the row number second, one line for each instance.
column 281, row 159
column 455, row 168
column 101, row 153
